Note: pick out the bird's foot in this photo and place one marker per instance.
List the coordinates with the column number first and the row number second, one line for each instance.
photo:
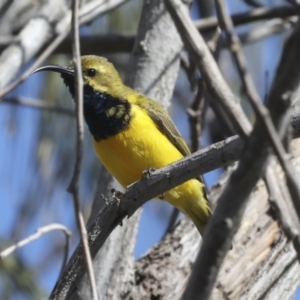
column 162, row 196
column 117, row 195
column 146, row 174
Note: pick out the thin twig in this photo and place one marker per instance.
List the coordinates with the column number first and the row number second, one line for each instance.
column 261, row 112
column 74, row 184
column 258, row 14
column 115, row 43
column 172, row 221
column 195, row 113
column 38, row 104
column 215, row 82
column 36, row 63
column 253, row 3
column 39, row 233
column 269, row 28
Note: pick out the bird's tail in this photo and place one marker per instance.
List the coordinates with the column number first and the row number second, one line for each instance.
column 200, row 219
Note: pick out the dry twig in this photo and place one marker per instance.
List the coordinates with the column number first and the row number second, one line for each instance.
column 40, row 232
column 195, row 113
column 214, row 80
column 258, row 14
column 74, row 184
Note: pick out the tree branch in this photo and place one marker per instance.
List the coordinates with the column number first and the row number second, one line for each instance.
column 217, row 86
column 74, row 184
column 39, row 233
column 258, row 14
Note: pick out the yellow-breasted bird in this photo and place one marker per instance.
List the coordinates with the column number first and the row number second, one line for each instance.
column 133, row 133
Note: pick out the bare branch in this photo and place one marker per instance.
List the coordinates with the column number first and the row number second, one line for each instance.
column 39, row 233
column 214, row 80
column 31, row 38
column 258, row 14
column 118, row 206
column 74, row 184
column 195, row 114
column 269, row 28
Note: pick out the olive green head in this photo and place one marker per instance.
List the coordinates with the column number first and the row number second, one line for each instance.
column 97, row 72
column 106, row 108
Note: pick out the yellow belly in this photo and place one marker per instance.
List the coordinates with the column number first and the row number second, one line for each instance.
column 142, row 146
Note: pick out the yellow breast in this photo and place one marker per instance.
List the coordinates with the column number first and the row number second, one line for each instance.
column 140, row 147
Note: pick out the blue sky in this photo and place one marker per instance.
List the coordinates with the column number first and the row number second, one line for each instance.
column 20, row 131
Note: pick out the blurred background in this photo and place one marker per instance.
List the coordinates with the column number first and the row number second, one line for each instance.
column 37, row 151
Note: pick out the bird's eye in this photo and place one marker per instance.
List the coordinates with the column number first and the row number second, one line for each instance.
column 91, row 72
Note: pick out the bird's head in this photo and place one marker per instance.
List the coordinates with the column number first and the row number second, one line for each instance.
column 106, row 108
column 98, row 74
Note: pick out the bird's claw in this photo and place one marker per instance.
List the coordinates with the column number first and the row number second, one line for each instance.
column 146, row 174
column 162, row 196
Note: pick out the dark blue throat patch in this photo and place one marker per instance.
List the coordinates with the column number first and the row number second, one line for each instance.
column 105, row 115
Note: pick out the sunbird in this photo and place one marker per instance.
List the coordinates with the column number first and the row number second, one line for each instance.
column 133, row 133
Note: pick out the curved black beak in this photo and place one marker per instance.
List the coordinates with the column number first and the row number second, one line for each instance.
column 58, row 69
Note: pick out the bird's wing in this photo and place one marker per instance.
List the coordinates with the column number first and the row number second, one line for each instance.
column 166, row 126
